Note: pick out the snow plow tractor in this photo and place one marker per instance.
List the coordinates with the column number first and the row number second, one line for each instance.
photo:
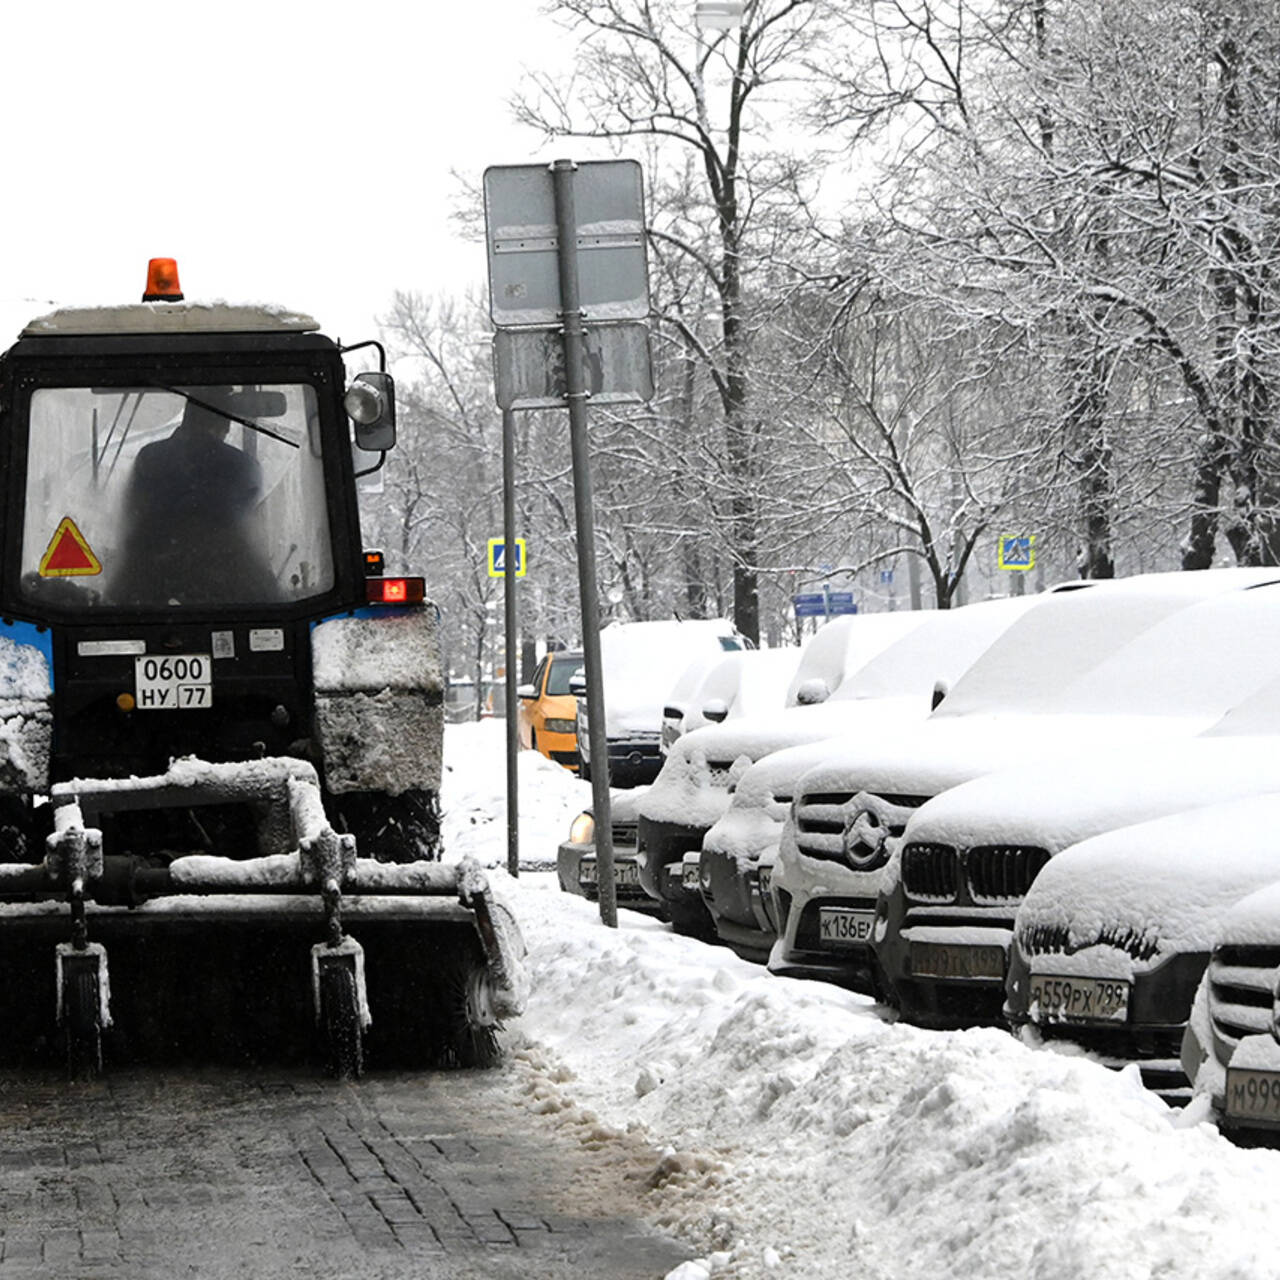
column 220, row 720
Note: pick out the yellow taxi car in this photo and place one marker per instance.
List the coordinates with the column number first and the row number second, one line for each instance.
column 548, row 711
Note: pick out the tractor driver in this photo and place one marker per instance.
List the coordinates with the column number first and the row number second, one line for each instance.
column 188, row 533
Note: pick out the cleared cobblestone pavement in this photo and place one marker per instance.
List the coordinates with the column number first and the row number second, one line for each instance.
column 217, row 1173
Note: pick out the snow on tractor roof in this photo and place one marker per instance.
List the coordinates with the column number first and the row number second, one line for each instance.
column 171, row 317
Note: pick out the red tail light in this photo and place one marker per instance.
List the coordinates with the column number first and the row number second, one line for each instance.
column 396, row 590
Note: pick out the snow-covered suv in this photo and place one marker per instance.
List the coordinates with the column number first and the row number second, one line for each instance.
column 1122, row 749
column 1231, row 1048
column 837, row 851
column 897, row 687
column 694, row 785
column 1115, row 933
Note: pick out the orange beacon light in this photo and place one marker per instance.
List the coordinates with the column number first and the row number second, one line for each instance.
column 162, row 281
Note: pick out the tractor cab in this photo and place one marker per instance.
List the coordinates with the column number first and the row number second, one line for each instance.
column 180, row 508
column 220, row 723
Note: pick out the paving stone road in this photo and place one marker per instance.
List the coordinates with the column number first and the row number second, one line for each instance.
column 171, row 1173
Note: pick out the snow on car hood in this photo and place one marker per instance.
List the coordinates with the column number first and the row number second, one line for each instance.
column 1169, row 880
column 1054, row 803
column 1253, row 921
column 693, row 785
column 942, row 752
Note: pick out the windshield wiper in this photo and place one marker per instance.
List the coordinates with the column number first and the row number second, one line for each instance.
column 226, row 413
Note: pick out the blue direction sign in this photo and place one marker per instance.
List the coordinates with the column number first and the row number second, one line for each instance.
column 823, row 604
column 1017, row 552
column 498, row 558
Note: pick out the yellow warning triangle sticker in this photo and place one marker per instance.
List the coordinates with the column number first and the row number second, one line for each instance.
column 68, row 555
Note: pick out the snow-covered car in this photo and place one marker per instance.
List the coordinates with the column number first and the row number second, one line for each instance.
column 576, row 867
column 681, row 698
column 1231, row 1047
column 1123, row 753
column 849, row 813
column 747, row 682
column 895, row 688
column 1115, row 933
column 693, row 785
column 640, row 664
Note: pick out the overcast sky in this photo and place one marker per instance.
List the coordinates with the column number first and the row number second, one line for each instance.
column 284, row 152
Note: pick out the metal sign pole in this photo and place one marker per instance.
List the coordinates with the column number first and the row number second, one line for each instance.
column 509, row 609
column 562, row 172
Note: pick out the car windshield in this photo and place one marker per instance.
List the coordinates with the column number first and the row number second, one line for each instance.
column 561, row 672
column 161, row 497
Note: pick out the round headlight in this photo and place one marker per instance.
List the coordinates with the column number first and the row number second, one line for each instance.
column 363, row 404
column 583, row 830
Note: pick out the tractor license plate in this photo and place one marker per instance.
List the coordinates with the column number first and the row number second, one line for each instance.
column 623, row 872
column 181, row 682
column 1253, row 1095
column 840, row 927
column 1079, row 999
column 947, row 960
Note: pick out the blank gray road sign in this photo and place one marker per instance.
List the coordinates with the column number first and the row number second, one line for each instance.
column 528, row 366
column 520, row 230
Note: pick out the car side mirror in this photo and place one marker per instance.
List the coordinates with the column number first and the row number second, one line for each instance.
column 812, row 692
column 526, row 691
column 370, row 403
column 715, row 710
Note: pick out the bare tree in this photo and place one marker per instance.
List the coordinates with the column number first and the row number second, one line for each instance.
column 644, row 71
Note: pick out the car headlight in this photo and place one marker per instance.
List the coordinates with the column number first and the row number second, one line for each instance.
column 561, row 726
column 583, row 830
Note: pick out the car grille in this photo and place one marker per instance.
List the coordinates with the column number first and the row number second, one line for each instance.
column 989, row 874
column 1002, row 873
column 930, row 872
column 821, row 818
column 623, row 832
column 1055, row 939
column 820, row 824
column 1241, row 982
column 718, row 770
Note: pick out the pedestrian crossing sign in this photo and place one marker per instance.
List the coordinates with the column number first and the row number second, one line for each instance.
column 498, row 558
column 1018, row 553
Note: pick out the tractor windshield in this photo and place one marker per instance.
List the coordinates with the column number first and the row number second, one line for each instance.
column 162, row 497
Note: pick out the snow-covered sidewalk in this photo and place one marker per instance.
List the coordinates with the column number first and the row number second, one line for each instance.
column 799, row 1135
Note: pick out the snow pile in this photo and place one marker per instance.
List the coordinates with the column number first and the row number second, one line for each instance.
column 24, row 672
column 789, row 1131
